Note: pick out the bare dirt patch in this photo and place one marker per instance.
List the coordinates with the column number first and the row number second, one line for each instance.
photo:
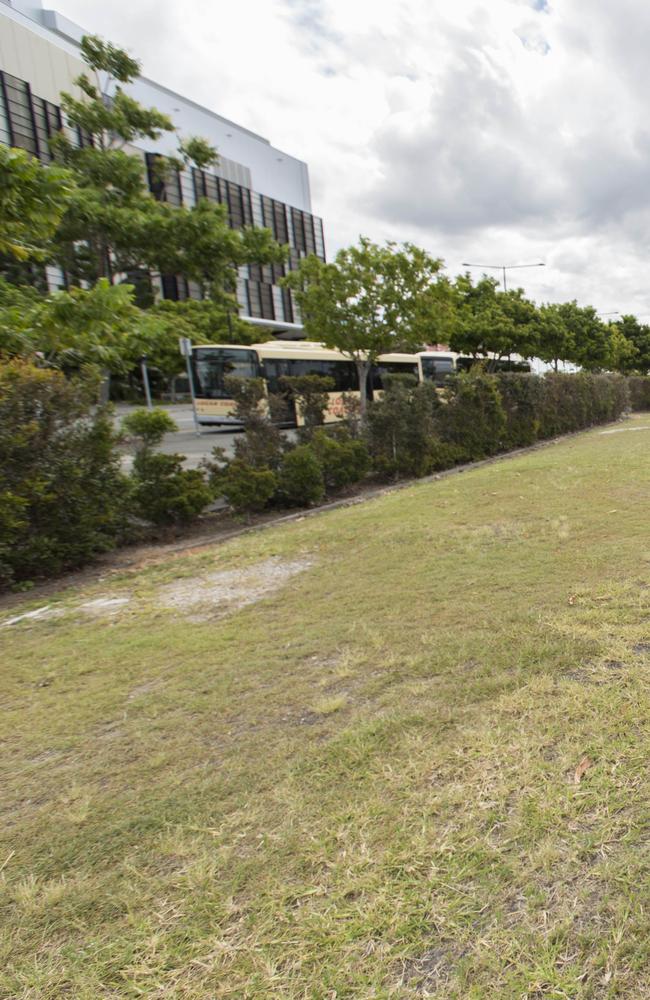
column 100, row 607
column 37, row 615
column 217, row 594
column 103, row 606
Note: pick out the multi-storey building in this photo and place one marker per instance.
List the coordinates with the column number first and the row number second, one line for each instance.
column 259, row 184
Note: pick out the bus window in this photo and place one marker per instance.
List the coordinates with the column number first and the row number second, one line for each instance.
column 378, row 371
column 436, row 368
column 342, row 373
column 211, row 365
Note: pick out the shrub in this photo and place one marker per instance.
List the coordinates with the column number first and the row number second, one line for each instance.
column 572, row 402
column 639, row 389
column 300, row 479
column 343, row 459
column 520, row 399
column 246, row 488
column 309, row 394
column 165, row 493
column 401, row 427
column 473, row 419
column 62, row 494
column 147, row 428
column 262, row 445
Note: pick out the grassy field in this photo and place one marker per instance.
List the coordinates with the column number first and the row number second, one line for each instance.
column 414, row 765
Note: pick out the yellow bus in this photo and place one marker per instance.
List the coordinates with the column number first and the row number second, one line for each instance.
column 437, row 366
column 211, row 363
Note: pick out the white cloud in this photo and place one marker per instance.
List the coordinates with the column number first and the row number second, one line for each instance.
column 512, row 130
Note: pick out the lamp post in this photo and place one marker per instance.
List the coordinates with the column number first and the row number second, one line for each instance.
column 503, row 268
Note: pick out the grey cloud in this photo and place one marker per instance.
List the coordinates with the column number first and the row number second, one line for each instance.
column 483, row 156
column 467, row 164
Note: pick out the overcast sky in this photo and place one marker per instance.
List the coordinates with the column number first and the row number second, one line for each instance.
column 503, row 131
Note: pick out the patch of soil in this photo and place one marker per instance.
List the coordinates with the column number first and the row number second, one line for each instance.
column 217, row 594
column 37, row 615
column 101, row 607
column 431, row 969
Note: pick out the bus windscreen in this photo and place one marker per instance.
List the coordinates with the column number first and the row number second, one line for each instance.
column 211, row 366
column 436, row 368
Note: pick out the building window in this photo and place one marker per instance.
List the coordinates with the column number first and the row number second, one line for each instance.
column 254, row 301
column 287, row 305
column 47, row 118
column 164, row 181
column 266, row 299
column 280, row 230
column 20, row 114
column 174, row 287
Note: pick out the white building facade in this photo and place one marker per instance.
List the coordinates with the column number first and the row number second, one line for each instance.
column 258, row 184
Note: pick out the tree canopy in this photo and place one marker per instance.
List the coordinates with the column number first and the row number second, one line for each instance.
column 32, row 202
column 370, row 300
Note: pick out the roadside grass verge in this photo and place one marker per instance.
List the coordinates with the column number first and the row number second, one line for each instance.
column 415, row 766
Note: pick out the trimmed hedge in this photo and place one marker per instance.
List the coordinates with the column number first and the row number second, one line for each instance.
column 411, row 431
column 639, row 387
column 64, row 498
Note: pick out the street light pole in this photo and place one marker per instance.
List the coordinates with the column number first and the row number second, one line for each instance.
column 504, row 268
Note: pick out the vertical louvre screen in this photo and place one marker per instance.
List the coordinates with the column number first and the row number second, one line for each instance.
column 22, row 126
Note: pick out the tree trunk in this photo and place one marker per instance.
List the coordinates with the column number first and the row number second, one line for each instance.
column 363, row 368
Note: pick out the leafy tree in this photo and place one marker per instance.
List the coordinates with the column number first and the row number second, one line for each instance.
column 16, row 306
column 637, row 335
column 490, row 322
column 104, row 230
column 86, row 327
column 113, row 224
column 198, row 243
column 587, row 334
column 32, row 201
column 369, row 301
column 555, row 339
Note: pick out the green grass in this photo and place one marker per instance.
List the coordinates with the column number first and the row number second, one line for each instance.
column 363, row 784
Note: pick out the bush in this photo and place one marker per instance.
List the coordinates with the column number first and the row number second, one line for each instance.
column 300, row 479
column 262, row 445
column 246, row 488
column 473, row 420
column 147, row 428
column 520, row 399
column 165, row 493
column 401, row 427
column 639, row 389
column 343, row 459
column 309, row 394
column 573, row 402
column 62, row 494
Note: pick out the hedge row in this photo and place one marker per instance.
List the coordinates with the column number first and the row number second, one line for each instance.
column 64, row 496
column 412, row 430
